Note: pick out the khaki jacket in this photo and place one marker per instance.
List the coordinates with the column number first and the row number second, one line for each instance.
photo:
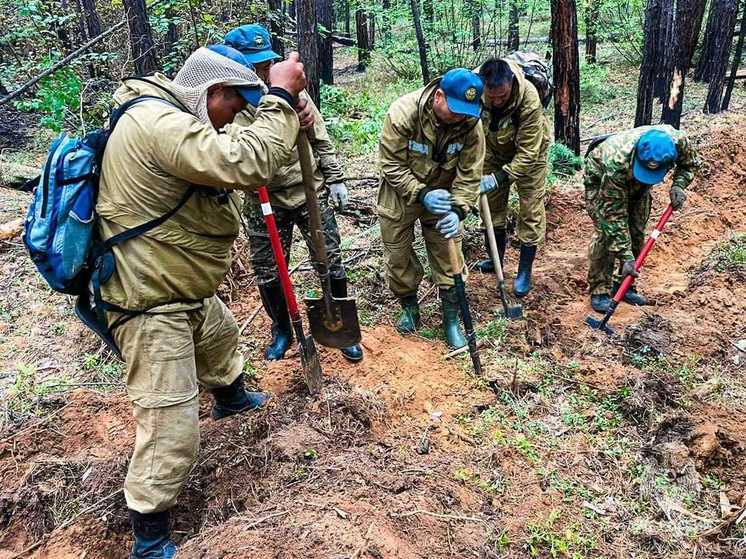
column 416, row 152
column 154, row 155
column 286, row 187
column 519, row 150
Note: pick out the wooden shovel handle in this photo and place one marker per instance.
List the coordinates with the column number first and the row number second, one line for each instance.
column 312, row 201
column 453, row 256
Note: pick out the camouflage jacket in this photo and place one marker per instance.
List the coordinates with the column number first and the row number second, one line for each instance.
column 610, row 185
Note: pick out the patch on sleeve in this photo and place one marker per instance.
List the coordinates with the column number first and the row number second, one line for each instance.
column 418, row 147
column 454, row 148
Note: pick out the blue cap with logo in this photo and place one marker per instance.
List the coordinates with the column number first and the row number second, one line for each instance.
column 655, row 155
column 253, row 41
column 463, row 89
column 252, row 94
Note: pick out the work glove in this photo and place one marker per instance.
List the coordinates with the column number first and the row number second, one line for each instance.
column 491, row 182
column 628, row 269
column 338, row 194
column 678, row 197
column 448, row 225
column 437, row 201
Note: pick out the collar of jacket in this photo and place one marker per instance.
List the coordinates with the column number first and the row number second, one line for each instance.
column 429, row 123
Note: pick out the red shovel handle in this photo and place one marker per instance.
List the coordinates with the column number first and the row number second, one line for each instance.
column 627, row 282
column 282, row 267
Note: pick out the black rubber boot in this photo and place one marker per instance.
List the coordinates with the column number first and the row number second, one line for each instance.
column 277, row 309
column 632, row 297
column 451, row 323
column 152, row 535
column 600, row 303
column 353, row 353
column 522, row 281
column 409, row 317
column 486, row 266
column 234, row 398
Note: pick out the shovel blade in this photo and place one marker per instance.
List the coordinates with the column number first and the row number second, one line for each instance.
column 309, row 359
column 338, row 331
column 599, row 325
column 514, row 313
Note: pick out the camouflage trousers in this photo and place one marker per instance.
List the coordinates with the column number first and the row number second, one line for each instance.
column 604, row 267
column 260, row 248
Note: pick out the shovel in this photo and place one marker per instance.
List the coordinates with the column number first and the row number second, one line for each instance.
column 511, row 312
column 463, row 302
column 333, row 320
column 308, row 357
column 627, row 282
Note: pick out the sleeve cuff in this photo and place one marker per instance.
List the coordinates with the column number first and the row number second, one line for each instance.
column 459, row 211
column 282, row 94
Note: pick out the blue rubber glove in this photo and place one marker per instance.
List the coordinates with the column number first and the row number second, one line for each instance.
column 437, row 201
column 448, row 225
column 487, row 184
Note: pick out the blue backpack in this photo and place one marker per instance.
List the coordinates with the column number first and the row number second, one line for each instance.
column 60, row 228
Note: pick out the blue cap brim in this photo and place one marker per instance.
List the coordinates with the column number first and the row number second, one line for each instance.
column 262, row 56
column 252, row 95
column 649, row 176
column 461, row 107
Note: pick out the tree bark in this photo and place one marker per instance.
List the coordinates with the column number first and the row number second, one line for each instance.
column 736, row 60
column 566, row 66
column 143, row 51
column 421, row 44
column 347, row 17
column 693, row 38
column 308, row 47
column 591, row 30
column 666, row 53
column 513, row 33
column 363, row 44
column 474, row 11
column 325, row 18
column 722, row 42
column 92, row 21
column 650, row 59
column 708, row 58
column 277, row 25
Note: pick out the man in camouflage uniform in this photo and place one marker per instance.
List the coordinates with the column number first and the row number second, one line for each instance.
column 619, row 173
column 517, row 137
column 288, row 199
column 430, row 158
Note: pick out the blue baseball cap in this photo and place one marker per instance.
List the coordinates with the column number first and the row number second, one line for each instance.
column 655, row 155
column 253, row 41
column 252, row 94
column 463, row 89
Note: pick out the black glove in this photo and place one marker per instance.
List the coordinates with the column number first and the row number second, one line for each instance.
column 628, row 269
column 678, row 197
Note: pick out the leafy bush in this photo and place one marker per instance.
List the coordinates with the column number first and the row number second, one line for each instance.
column 563, row 163
column 56, row 94
column 594, row 88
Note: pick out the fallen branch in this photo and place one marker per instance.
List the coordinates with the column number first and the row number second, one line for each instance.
column 437, row 515
column 460, row 351
column 11, row 229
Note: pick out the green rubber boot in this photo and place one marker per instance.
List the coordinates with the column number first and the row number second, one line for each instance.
column 451, row 323
column 409, row 317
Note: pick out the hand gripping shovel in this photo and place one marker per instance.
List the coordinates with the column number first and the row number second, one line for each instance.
column 463, row 302
column 308, row 357
column 627, row 282
column 333, row 320
column 511, row 312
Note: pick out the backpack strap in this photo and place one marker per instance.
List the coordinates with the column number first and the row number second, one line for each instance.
column 596, row 141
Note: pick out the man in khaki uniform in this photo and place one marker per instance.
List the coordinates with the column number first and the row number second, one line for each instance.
column 288, row 199
column 179, row 151
column 430, row 158
column 517, row 137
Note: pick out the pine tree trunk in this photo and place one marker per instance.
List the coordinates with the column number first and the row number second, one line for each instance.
column 92, row 21
column 722, row 43
column 709, row 56
column 666, row 52
column 347, row 17
column 736, row 60
column 363, row 43
column 308, row 47
column 372, row 31
column 421, row 44
column 650, row 59
column 513, row 33
column 276, row 25
column 474, row 10
column 566, row 66
column 143, row 51
column 696, row 27
column 292, row 12
column 325, row 18
column 591, row 30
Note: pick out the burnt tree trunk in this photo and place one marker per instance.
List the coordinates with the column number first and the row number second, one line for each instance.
column 591, row 30
column 143, row 51
column 651, row 56
column 363, row 42
column 722, row 42
column 736, row 60
column 421, row 44
column 666, row 54
column 696, row 26
column 709, row 57
column 308, row 46
column 566, row 66
column 513, row 35
column 686, row 32
column 325, row 19
column 277, row 25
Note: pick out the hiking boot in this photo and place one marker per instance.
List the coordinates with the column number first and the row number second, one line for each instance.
column 234, row 398
column 277, row 309
column 632, row 297
column 353, row 353
column 409, row 317
column 451, row 323
column 152, row 535
column 601, row 303
column 522, row 281
column 487, row 266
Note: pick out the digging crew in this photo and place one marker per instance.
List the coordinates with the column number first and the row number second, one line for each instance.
column 430, row 159
column 288, row 201
column 158, row 152
column 619, row 173
column 517, row 142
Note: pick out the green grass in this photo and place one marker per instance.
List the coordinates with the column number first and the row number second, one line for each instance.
column 731, row 254
column 545, row 539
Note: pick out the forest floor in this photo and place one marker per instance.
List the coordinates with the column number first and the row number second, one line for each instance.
column 571, row 445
